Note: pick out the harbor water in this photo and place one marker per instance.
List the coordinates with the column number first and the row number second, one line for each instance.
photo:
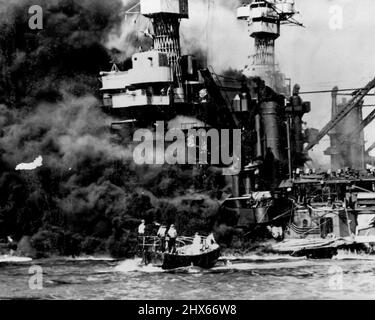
column 347, row 276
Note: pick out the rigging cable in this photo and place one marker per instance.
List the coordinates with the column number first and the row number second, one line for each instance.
column 329, row 91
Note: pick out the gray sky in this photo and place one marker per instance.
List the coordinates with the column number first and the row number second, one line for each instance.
column 319, row 58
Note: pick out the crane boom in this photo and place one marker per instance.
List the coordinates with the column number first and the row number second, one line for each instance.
column 363, row 125
column 358, row 97
column 372, row 147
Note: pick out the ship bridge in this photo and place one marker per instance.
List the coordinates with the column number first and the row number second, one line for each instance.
column 159, row 78
column 147, row 83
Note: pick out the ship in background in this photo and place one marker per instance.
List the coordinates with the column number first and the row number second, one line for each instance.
column 335, row 210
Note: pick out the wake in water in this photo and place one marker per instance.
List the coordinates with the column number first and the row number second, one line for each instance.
column 91, row 258
column 9, row 258
column 135, row 265
column 260, row 257
column 348, row 255
column 234, row 263
column 225, row 263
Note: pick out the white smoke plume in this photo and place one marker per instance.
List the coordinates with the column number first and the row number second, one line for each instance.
column 37, row 163
column 214, row 30
column 129, row 36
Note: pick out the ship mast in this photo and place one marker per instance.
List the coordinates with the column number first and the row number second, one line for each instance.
column 264, row 19
column 166, row 16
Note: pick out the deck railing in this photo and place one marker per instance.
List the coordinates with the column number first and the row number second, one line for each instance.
column 154, row 242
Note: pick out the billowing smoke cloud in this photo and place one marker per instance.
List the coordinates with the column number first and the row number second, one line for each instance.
column 127, row 38
column 79, row 158
column 68, row 53
column 63, row 132
column 88, row 184
column 88, row 193
column 211, row 26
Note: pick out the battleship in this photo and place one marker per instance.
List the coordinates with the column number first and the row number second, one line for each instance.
column 269, row 190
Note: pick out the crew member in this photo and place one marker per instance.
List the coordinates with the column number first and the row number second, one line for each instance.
column 210, row 241
column 12, row 246
column 162, row 232
column 142, row 228
column 141, row 234
column 197, row 244
column 172, row 235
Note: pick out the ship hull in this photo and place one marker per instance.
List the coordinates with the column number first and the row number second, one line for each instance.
column 168, row 261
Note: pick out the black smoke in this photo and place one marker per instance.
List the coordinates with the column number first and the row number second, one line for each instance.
column 67, row 54
column 88, row 196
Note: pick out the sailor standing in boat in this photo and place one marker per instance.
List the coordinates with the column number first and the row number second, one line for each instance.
column 197, row 244
column 142, row 228
column 162, row 232
column 141, row 233
column 210, row 241
column 172, row 235
column 12, row 246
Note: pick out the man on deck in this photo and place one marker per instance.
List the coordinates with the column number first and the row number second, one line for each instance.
column 162, row 232
column 197, row 244
column 172, row 235
column 142, row 229
column 141, row 234
column 210, row 241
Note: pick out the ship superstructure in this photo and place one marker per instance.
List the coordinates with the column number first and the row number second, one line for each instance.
column 264, row 19
column 280, row 110
column 163, row 85
column 160, row 78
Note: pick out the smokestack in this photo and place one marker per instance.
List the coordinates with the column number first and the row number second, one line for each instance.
column 236, row 186
column 334, row 150
column 271, row 128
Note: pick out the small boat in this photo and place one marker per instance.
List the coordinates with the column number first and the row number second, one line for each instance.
column 318, row 231
column 186, row 254
column 331, row 212
column 313, row 248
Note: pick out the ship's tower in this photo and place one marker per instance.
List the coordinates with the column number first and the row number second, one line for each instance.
column 264, row 19
column 166, row 16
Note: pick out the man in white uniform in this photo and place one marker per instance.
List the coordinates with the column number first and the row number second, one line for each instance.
column 172, row 235
column 142, row 229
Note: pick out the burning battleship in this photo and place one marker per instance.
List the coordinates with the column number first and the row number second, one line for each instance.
column 162, row 85
column 274, row 186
